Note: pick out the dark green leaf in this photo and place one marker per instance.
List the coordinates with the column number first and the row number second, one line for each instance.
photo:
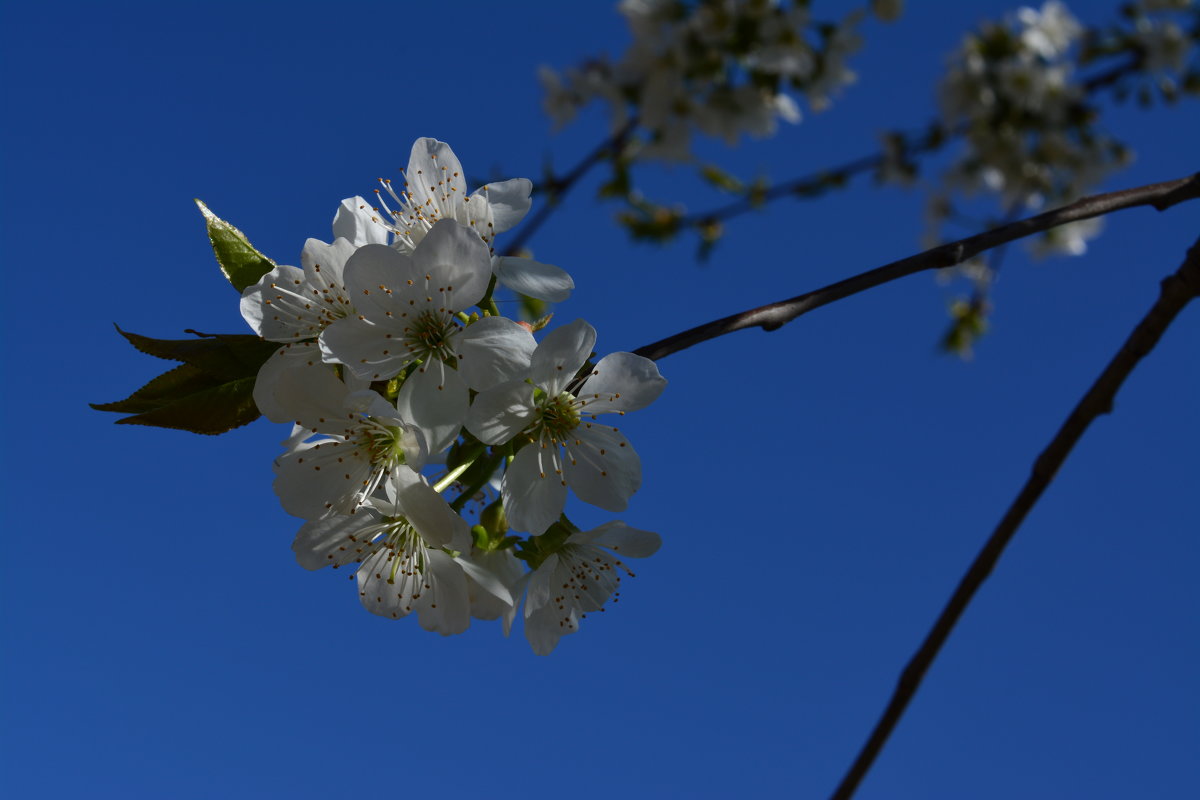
column 210, row 393
column 225, row 355
column 210, row 411
column 182, row 381
column 240, row 262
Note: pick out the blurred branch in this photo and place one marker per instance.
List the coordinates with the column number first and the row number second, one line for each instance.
column 1177, row 291
column 774, row 315
column 909, row 145
column 816, row 182
column 556, row 188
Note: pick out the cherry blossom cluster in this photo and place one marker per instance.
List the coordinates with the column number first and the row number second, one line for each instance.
column 415, row 404
column 723, row 67
column 1015, row 91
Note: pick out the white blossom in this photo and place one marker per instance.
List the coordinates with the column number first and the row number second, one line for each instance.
column 493, row 578
column 1069, row 239
column 408, row 314
column 688, row 66
column 552, row 411
column 435, row 189
column 578, row 579
column 292, row 306
column 1012, row 91
column 1049, row 32
column 356, row 440
column 400, row 543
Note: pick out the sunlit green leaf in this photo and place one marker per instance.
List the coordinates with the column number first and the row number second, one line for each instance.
column 240, row 262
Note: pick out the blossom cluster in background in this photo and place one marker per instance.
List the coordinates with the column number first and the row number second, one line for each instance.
column 722, row 67
column 1020, row 95
column 415, row 404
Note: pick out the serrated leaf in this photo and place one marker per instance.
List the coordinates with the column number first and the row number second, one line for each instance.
column 240, row 262
column 210, row 411
column 225, row 356
column 210, row 393
column 182, row 381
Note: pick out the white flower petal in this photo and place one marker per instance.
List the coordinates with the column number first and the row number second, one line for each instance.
column 560, row 355
column 273, row 403
column 509, row 200
column 510, row 615
column 533, row 490
column 623, row 540
column 492, row 577
column 500, row 413
column 358, row 223
column 456, row 263
column 435, row 177
column 547, row 621
column 533, row 278
column 429, row 513
column 324, row 264
column 278, row 309
column 494, row 350
column 435, row 399
column 374, row 277
column 621, row 382
column 602, row 467
column 446, row 604
column 319, row 479
column 335, row 541
column 312, row 396
column 372, row 352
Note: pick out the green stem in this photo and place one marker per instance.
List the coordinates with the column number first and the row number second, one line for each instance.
column 452, row 476
column 487, row 303
column 469, row 491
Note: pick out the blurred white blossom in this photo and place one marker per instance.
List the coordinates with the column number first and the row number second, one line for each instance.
column 726, row 68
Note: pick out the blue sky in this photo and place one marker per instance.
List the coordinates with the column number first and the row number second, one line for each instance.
column 819, row 489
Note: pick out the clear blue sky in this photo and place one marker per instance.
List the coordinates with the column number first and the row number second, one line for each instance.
column 819, row 489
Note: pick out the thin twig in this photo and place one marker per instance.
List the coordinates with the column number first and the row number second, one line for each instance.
column 774, row 315
column 1177, row 291
column 914, row 144
column 557, row 188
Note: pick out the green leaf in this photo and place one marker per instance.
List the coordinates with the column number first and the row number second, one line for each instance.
column 182, row 381
column 224, row 355
column 211, row 392
column 240, row 262
column 721, row 179
column 210, row 411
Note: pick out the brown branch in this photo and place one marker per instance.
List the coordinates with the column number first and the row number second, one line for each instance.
column 1177, row 291
column 557, row 188
column 815, row 182
column 913, row 144
column 774, row 315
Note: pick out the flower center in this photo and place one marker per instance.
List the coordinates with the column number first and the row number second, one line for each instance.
column 386, row 445
column 558, row 416
column 406, row 551
column 430, row 335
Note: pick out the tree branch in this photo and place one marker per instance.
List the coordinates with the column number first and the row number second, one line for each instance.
column 914, row 144
column 774, row 315
column 557, row 188
column 1177, row 291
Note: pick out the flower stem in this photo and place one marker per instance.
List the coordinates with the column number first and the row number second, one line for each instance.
column 452, row 476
